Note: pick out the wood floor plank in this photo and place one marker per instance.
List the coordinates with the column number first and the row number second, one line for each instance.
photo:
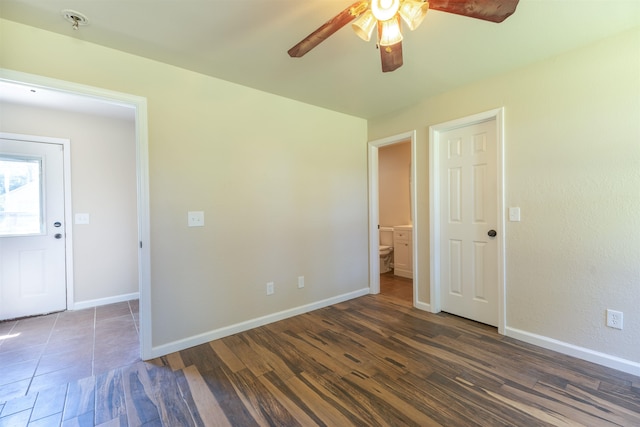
column 482, row 403
column 225, row 354
column 171, row 407
column 293, row 404
column 175, row 361
column 280, row 358
column 443, row 407
column 321, row 360
column 264, row 406
column 110, row 403
column 466, row 362
column 207, row 411
column 223, row 389
column 241, row 348
column 346, row 398
column 612, row 405
column 152, row 394
column 580, row 407
column 325, row 412
column 140, row 400
column 389, row 406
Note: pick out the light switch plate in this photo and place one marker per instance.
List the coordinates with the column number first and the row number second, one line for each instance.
column 195, row 219
column 514, row 214
column 82, row 218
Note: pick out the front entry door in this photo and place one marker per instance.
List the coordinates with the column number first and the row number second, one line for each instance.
column 468, row 245
column 32, row 229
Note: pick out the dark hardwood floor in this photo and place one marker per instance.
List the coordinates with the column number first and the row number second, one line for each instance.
column 371, row 361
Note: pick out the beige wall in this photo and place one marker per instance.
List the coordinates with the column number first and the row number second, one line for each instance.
column 394, row 184
column 572, row 155
column 103, row 184
column 283, row 186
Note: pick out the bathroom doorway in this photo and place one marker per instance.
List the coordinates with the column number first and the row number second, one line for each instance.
column 392, row 214
column 395, row 219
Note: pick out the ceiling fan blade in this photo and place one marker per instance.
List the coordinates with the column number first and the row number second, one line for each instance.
column 328, row 28
column 391, row 57
column 488, row 10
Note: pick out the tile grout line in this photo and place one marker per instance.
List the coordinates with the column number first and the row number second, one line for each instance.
column 38, row 365
column 93, row 346
column 133, row 317
column 42, row 354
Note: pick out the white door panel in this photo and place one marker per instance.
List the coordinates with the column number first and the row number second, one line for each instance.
column 469, row 256
column 32, row 229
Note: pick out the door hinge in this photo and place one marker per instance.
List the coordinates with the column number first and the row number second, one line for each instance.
column 141, row 244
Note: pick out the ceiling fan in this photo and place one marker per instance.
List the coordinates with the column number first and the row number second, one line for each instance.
column 387, row 16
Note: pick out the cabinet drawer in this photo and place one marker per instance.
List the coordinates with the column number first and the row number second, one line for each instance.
column 401, row 235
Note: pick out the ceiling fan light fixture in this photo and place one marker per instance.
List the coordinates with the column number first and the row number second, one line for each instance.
column 389, row 32
column 364, row 25
column 413, row 12
column 384, row 10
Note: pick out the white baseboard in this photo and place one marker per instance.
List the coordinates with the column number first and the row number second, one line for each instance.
column 603, row 359
column 195, row 340
column 423, row 306
column 104, row 301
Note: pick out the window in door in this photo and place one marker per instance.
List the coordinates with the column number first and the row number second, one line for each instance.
column 21, row 212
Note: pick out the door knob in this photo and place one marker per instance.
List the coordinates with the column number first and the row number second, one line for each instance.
column 492, row 233
column 58, row 236
column 57, row 224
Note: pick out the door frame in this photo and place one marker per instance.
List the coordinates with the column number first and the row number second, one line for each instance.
column 68, row 216
column 435, row 202
column 374, row 214
column 139, row 105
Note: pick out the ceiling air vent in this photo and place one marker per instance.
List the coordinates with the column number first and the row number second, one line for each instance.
column 76, row 18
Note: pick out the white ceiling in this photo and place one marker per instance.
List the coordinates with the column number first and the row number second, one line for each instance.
column 246, row 41
column 21, row 94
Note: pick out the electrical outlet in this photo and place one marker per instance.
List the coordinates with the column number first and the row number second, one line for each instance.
column 300, row 282
column 270, row 288
column 614, row 319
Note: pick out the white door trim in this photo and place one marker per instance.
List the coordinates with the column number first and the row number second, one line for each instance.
column 68, row 229
column 374, row 220
column 139, row 104
column 434, row 205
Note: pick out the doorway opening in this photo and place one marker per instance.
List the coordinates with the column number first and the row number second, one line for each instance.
column 394, row 265
column 106, row 98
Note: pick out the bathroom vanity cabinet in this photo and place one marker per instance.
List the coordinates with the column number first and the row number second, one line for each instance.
column 403, row 251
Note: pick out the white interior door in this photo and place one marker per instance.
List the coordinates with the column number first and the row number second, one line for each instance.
column 32, row 229
column 469, row 219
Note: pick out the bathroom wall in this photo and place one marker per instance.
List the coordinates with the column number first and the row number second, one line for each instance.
column 103, row 184
column 394, row 182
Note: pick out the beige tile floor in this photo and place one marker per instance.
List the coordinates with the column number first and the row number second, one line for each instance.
column 47, row 351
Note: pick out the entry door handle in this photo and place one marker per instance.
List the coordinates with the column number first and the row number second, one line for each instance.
column 492, row 233
column 58, row 236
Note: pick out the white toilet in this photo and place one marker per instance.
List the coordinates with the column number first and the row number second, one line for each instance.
column 386, row 249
